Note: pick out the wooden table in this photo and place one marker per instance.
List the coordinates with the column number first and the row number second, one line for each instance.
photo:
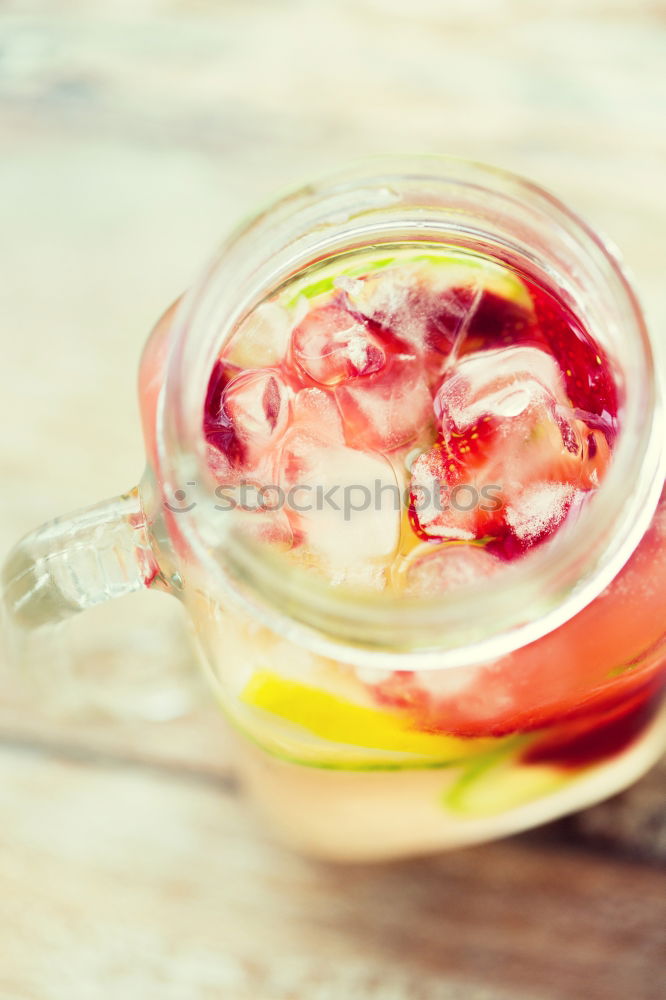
column 133, row 135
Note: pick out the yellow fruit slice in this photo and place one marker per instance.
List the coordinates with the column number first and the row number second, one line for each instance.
column 322, row 727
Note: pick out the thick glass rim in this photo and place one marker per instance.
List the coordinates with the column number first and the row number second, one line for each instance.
column 539, row 593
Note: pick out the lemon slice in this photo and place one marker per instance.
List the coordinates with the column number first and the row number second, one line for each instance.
column 314, row 726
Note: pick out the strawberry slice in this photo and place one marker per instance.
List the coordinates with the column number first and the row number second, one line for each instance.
column 596, row 737
column 511, row 459
column 548, row 323
column 586, row 369
column 498, row 321
column 445, row 502
column 218, row 429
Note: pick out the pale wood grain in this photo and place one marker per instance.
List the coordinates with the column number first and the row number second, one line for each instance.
column 132, row 136
column 120, row 882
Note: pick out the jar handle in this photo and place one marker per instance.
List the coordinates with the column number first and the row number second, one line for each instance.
column 76, row 562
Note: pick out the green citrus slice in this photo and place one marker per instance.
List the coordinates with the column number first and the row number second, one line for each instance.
column 493, row 786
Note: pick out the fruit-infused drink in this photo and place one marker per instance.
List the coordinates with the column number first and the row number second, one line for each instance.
column 412, row 421
column 405, row 461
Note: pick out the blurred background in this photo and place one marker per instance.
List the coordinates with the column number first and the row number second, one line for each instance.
column 133, row 135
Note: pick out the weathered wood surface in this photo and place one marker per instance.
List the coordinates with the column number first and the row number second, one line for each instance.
column 132, row 135
column 119, row 881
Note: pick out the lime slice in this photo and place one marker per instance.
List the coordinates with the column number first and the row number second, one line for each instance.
column 499, row 783
column 326, row 283
column 495, row 278
column 445, row 266
column 313, row 726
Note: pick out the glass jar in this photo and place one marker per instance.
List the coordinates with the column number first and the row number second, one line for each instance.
column 548, row 688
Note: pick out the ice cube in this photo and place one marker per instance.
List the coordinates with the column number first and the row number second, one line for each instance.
column 265, row 526
column 503, row 383
column 422, row 309
column 219, row 465
column 254, row 411
column 315, row 413
column 331, row 346
column 389, row 411
column 431, row 570
column 538, row 509
column 506, row 428
column 504, row 416
column 261, row 339
column 343, row 505
column 435, row 510
column 390, row 299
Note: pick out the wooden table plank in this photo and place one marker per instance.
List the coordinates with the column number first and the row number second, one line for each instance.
column 131, row 138
column 119, row 881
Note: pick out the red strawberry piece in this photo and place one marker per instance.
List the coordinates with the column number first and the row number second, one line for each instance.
column 585, row 367
column 592, row 738
column 218, row 429
column 446, row 498
column 505, row 435
column 469, row 447
column 498, row 322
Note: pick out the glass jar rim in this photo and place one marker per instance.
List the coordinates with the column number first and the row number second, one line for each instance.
column 544, row 589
